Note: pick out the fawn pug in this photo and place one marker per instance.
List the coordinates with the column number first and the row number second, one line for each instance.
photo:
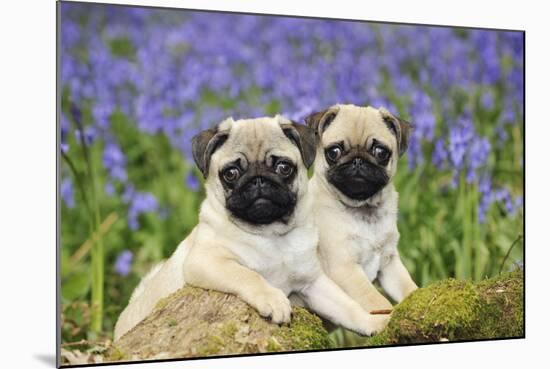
column 355, row 205
column 256, row 236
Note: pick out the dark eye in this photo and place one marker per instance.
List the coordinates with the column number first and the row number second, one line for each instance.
column 231, row 174
column 284, row 168
column 333, row 153
column 380, row 153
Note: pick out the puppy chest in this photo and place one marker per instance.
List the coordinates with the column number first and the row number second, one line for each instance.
column 372, row 249
column 284, row 266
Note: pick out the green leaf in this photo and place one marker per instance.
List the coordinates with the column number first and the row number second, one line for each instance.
column 76, row 286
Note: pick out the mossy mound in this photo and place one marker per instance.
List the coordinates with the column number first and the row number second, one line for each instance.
column 194, row 322
column 453, row 310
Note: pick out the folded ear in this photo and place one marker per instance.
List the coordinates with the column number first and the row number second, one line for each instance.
column 204, row 144
column 321, row 120
column 304, row 138
column 399, row 127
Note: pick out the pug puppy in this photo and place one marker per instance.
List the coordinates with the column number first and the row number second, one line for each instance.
column 355, row 205
column 255, row 237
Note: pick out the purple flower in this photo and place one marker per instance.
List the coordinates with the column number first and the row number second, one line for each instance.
column 169, row 84
column 140, row 203
column 459, row 138
column 478, row 154
column 67, row 192
column 90, row 133
column 503, row 195
column 65, row 127
column 424, row 125
column 128, row 193
column 101, row 113
column 114, row 161
column 487, row 100
column 192, row 182
column 76, row 113
column 486, row 199
column 109, row 189
column 440, row 155
column 502, row 135
column 123, row 263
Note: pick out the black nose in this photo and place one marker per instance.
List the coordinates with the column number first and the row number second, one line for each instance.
column 258, row 182
column 357, row 162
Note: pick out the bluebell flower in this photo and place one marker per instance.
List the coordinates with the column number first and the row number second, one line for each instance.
column 486, row 198
column 460, row 136
column 478, row 153
column 502, row 135
column 128, row 194
column 140, row 203
column 101, row 113
column 114, row 161
column 172, row 85
column 90, row 134
column 70, row 33
column 440, row 154
column 487, row 100
column 123, row 263
column 503, row 195
column 65, row 128
column 192, row 182
column 64, row 147
column 76, row 114
column 67, row 192
column 109, row 189
column 424, row 125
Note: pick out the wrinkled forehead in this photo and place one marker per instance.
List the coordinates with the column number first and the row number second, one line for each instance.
column 257, row 140
column 358, row 126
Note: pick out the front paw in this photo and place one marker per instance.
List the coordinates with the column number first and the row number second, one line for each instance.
column 273, row 303
column 378, row 303
column 374, row 324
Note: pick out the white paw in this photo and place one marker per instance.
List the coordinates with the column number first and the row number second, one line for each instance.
column 374, row 324
column 274, row 304
column 378, row 303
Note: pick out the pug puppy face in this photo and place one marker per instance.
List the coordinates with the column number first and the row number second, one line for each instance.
column 256, row 168
column 359, row 149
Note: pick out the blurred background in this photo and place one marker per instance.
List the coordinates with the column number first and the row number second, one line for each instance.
column 138, row 83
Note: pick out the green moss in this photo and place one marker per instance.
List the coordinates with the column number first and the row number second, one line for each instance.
column 179, row 294
column 229, row 329
column 304, row 332
column 458, row 310
column 380, row 339
column 273, row 345
column 115, row 354
column 220, row 340
column 503, row 309
column 221, row 324
column 214, row 345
